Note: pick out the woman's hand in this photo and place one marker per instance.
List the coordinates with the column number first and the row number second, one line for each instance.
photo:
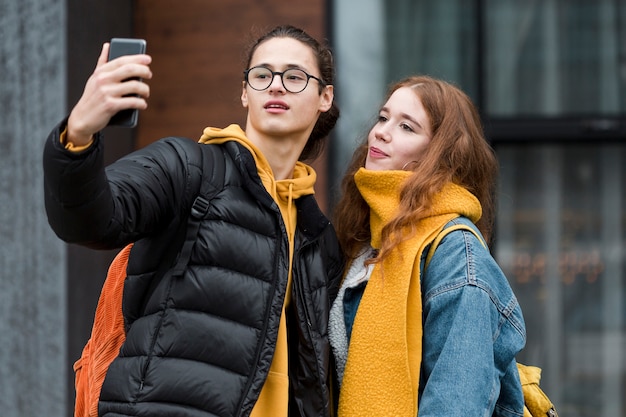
column 107, row 91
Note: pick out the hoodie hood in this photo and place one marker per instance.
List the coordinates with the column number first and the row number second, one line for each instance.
column 304, row 176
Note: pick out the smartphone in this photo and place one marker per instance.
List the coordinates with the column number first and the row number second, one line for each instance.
column 117, row 48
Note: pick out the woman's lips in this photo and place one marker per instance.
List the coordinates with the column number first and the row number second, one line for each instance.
column 377, row 153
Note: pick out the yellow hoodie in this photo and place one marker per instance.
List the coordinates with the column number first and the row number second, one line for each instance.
column 274, row 398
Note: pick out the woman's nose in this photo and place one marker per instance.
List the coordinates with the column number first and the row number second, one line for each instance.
column 382, row 134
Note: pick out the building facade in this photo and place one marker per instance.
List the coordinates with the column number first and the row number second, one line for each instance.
column 548, row 76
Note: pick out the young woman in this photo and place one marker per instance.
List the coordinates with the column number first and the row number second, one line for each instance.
column 439, row 337
column 244, row 330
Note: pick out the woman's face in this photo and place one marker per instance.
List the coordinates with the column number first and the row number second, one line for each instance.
column 275, row 111
column 401, row 134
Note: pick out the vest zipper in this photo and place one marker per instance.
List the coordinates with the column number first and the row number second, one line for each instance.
column 299, row 288
column 150, row 352
column 300, row 292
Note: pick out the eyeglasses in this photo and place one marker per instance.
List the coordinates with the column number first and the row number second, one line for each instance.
column 294, row 80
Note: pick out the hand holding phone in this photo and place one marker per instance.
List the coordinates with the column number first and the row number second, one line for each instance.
column 119, row 47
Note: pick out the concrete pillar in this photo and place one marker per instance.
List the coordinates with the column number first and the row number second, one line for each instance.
column 359, row 46
column 32, row 260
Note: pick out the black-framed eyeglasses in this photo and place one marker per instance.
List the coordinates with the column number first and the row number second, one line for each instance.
column 294, row 80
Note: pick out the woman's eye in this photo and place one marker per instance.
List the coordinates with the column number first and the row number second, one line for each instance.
column 407, row 127
column 382, row 118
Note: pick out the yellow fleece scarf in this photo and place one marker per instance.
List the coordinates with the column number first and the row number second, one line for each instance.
column 274, row 397
column 385, row 353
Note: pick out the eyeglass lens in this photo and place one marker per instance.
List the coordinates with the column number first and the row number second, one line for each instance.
column 294, row 80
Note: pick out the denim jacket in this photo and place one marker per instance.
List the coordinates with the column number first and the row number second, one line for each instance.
column 473, row 328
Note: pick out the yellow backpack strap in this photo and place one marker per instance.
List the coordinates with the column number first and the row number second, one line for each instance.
column 443, row 234
column 536, row 401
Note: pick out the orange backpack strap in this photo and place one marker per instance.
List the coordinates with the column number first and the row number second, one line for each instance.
column 107, row 336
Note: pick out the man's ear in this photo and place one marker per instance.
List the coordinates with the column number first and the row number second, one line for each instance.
column 326, row 98
column 244, row 95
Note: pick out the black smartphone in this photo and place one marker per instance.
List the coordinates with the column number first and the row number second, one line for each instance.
column 117, row 48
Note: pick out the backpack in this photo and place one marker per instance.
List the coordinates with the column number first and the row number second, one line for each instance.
column 536, row 402
column 108, row 332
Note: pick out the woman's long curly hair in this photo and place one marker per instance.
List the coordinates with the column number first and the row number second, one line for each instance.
column 458, row 152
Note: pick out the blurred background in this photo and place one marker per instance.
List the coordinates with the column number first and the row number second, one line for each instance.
column 549, row 78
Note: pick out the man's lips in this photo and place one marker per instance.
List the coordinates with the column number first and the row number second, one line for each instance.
column 377, row 153
column 276, row 106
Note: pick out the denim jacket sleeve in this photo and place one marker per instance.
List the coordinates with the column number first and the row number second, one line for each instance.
column 473, row 328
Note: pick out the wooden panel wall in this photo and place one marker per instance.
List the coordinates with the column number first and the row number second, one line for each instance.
column 198, row 58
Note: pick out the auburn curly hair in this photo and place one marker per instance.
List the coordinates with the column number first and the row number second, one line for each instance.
column 457, row 152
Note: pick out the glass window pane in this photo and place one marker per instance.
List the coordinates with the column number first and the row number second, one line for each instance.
column 555, row 57
column 561, row 239
column 437, row 38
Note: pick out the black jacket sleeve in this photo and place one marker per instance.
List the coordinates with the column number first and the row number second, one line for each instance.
column 107, row 207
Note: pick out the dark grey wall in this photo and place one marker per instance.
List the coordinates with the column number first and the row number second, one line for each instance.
column 32, row 261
